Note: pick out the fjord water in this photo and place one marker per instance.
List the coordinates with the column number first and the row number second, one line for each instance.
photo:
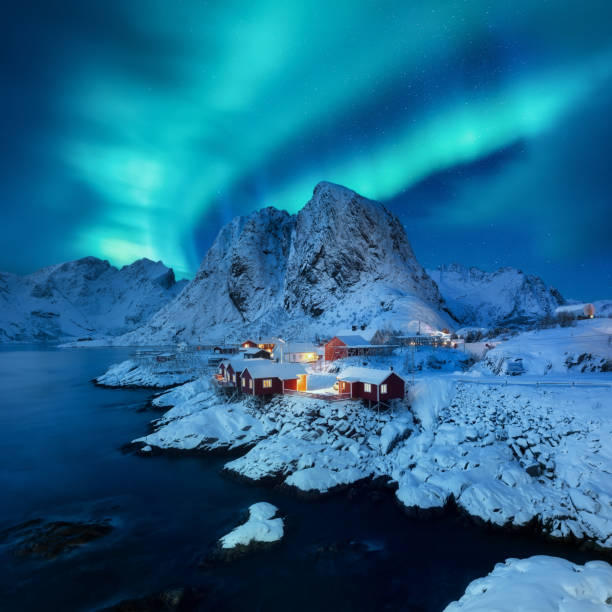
column 61, row 458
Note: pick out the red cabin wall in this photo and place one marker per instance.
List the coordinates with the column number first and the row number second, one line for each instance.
column 277, row 387
column 395, row 388
column 335, row 349
column 291, row 384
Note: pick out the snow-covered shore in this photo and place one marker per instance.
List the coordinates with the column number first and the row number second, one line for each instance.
column 546, row 584
column 132, row 373
column 508, row 455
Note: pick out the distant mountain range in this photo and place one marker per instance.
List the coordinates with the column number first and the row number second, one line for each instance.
column 82, row 299
column 506, row 296
column 343, row 262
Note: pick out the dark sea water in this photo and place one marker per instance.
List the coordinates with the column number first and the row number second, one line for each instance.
column 60, row 458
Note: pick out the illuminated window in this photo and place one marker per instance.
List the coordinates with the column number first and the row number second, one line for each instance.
column 267, row 383
column 250, row 383
column 383, row 388
column 367, row 387
column 244, row 382
column 233, row 378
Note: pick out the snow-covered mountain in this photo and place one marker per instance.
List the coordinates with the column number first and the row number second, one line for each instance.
column 486, row 299
column 341, row 261
column 83, row 298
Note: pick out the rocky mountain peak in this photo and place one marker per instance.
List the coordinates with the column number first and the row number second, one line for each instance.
column 342, row 260
column 344, row 241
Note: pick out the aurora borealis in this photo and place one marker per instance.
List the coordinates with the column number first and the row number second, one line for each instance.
column 136, row 129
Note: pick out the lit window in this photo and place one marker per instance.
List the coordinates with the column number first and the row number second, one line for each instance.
column 367, row 387
column 383, row 389
column 250, row 383
column 244, row 382
column 267, row 383
column 233, row 378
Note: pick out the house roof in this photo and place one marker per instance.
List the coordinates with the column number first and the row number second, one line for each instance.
column 267, row 340
column 239, row 363
column 354, row 341
column 368, row 375
column 267, row 369
column 253, row 351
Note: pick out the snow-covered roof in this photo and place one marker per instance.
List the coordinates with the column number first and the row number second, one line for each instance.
column 354, row 341
column 239, row 363
column 300, row 347
column 268, row 369
column 252, row 351
column 368, row 375
column 267, row 340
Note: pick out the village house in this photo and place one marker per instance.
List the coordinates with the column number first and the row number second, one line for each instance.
column 341, row 347
column 266, row 344
column 371, row 384
column 225, row 350
column 229, row 371
column 256, row 353
column 267, row 378
column 247, row 344
column 297, row 352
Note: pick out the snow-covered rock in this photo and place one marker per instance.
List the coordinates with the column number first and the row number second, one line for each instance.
column 143, row 373
column 488, row 299
column 261, row 527
column 206, row 422
column 342, row 260
column 198, row 389
column 542, row 583
column 507, row 454
column 84, row 298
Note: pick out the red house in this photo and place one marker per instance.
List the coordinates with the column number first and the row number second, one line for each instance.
column 340, row 347
column 270, row 378
column 230, row 370
column 370, row 384
column 248, row 344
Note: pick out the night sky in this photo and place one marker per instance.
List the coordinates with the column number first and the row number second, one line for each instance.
column 137, row 128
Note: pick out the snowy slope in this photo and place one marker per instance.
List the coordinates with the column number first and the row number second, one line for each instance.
column 82, row 298
column 483, row 298
column 342, row 261
column 239, row 280
column 585, row 347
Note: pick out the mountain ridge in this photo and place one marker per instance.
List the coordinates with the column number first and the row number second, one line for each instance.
column 342, row 260
column 87, row 297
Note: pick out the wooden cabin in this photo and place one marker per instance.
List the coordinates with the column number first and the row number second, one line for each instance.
column 230, row 370
column 225, row 350
column 256, row 353
column 297, row 352
column 340, row 347
column 370, row 384
column 272, row 378
column 267, row 344
column 248, row 344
